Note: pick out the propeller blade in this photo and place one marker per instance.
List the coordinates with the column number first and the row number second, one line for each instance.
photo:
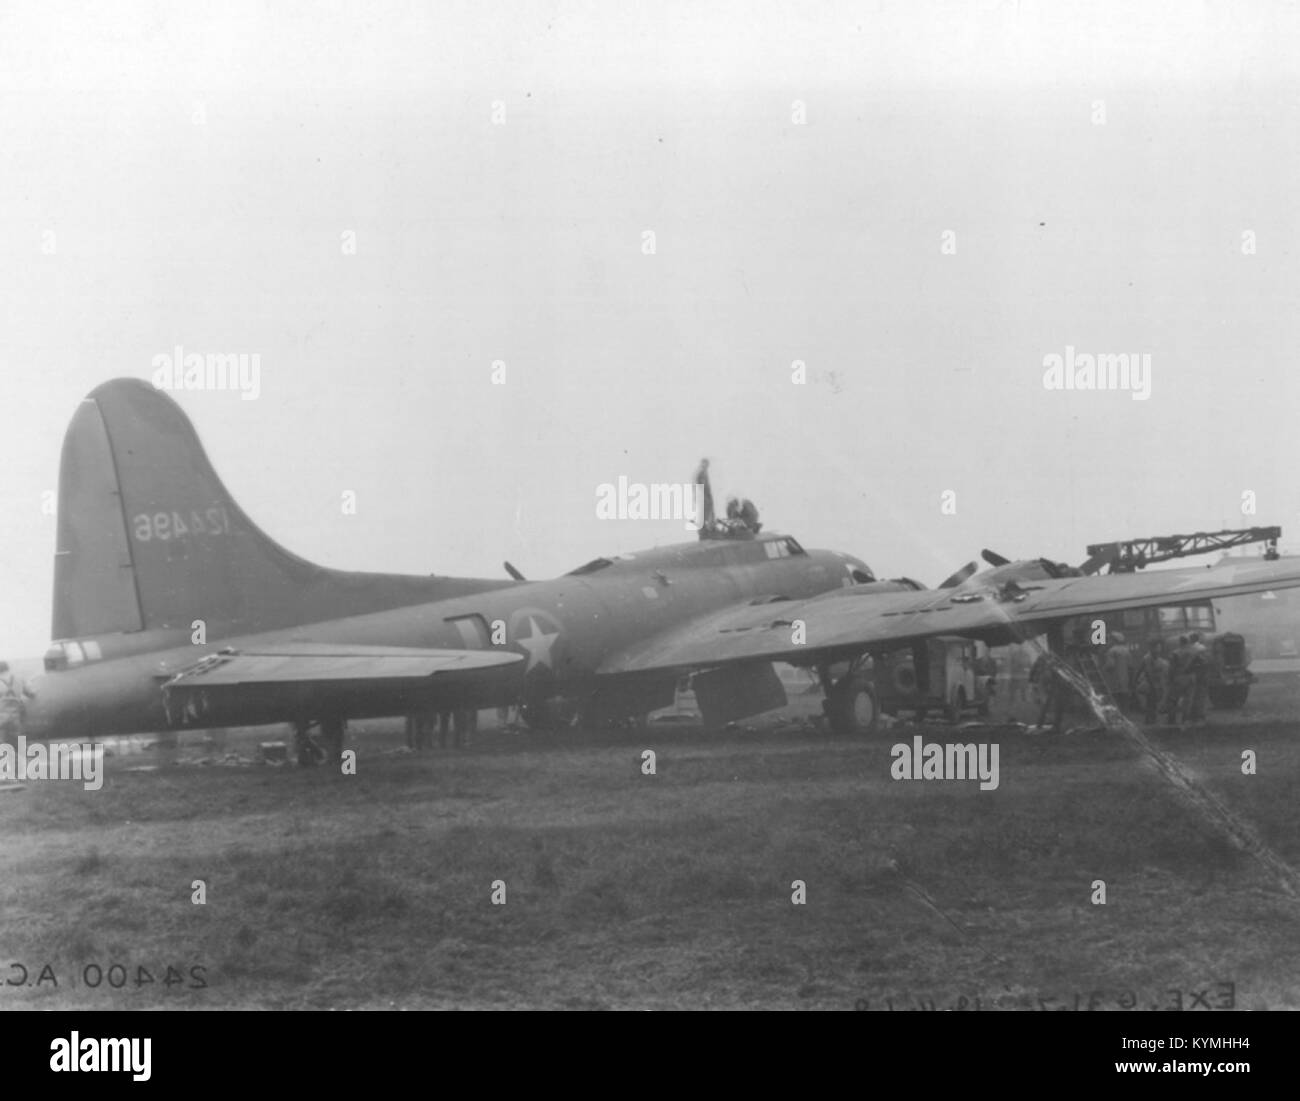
column 960, row 576
column 994, row 559
column 514, row 572
column 1095, row 563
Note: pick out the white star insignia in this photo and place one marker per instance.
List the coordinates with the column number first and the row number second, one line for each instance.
column 538, row 645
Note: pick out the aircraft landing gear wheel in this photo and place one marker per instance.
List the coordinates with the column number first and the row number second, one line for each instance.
column 546, row 716
column 331, row 731
column 537, row 717
column 851, row 708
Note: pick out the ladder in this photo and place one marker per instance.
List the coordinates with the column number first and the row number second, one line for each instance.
column 1082, row 673
column 1086, row 661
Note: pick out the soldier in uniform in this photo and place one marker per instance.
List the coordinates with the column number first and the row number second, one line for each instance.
column 1054, row 687
column 1198, row 667
column 464, row 723
column 1116, row 669
column 1018, row 680
column 419, row 729
column 1180, row 680
column 986, row 668
column 1152, row 680
column 14, row 694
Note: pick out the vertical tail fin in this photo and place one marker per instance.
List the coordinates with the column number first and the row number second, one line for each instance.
column 148, row 537
column 94, row 581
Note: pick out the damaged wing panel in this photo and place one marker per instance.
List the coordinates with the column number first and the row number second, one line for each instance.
column 841, row 623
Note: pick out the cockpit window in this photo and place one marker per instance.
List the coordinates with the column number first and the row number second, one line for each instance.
column 784, row 547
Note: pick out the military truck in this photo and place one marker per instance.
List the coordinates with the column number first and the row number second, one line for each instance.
column 947, row 675
column 1229, row 675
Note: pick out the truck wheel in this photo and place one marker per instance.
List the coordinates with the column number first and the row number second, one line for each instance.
column 541, row 717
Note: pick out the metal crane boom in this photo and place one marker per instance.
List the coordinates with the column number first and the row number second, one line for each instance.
column 1127, row 555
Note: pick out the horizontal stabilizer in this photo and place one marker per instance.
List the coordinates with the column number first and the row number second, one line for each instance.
column 296, row 663
column 297, row 681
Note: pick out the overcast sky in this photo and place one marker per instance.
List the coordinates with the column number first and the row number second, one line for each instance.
column 1119, row 178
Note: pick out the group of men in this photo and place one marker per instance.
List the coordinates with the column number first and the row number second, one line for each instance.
column 1173, row 685
column 459, row 724
column 741, row 522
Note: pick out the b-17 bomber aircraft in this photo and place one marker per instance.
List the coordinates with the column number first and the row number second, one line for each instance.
column 173, row 610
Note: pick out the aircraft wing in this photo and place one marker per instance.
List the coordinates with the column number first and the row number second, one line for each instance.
column 313, row 672
column 844, row 623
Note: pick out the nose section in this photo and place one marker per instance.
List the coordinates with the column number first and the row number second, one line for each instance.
column 844, row 568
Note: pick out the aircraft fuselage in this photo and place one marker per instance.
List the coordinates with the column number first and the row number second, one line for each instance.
column 563, row 627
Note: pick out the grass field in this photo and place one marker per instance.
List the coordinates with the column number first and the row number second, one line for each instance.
column 626, row 890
